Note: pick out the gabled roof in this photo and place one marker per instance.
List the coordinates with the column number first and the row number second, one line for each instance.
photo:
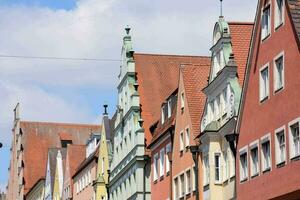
column 75, row 156
column 157, row 77
column 240, row 33
column 52, row 152
column 38, row 137
column 195, row 78
column 294, row 10
column 87, row 161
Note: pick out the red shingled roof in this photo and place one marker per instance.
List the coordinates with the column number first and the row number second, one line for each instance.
column 157, row 76
column 194, row 80
column 241, row 33
column 38, row 137
column 75, row 156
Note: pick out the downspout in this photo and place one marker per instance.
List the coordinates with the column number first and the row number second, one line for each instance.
column 171, row 162
column 146, row 159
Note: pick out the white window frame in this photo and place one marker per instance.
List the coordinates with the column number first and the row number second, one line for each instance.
column 275, row 72
column 268, row 33
column 169, row 108
column 175, row 189
column 277, row 146
column 162, row 162
column 278, row 24
column 226, row 164
column 263, row 140
column 187, row 191
column 187, row 136
column 219, row 168
column 168, row 149
column 163, row 114
column 291, row 137
column 252, row 146
column 267, row 96
column 182, row 185
column 205, row 169
column 181, row 141
column 194, row 178
column 243, row 151
column 155, row 166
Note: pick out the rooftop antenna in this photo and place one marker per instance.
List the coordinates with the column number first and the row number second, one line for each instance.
column 221, row 8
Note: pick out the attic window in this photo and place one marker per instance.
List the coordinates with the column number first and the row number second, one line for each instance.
column 182, row 100
column 279, row 13
column 64, row 143
column 169, row 108
column 266, row 22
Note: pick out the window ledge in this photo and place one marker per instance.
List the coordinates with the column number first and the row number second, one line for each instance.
column 255, row 175
column 218, row 183
column 264, row 99
column 266, row 37
column 266, row 170
column 295, row 158
column 278, row 26
column 280, row 164
column 168, row 173
column 278, row 90
column 155, row 181
column 244, row 180
column 206, row 187
column 161, row 178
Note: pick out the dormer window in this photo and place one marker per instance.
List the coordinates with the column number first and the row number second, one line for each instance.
column 266, row 22
column 162, row 114
column 182, row 101
column 169, row 108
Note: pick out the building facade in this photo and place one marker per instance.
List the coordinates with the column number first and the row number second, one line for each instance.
column 222, row 105
column 161, row 149
column 37, row 191
column 268, row 126
column 189, row 108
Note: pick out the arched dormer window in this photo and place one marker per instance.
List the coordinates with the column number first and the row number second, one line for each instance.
column 217, row 34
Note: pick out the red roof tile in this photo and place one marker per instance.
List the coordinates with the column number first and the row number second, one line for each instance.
column 241, row 33
column 38, row 137
column 195, row 79
column 75, row 156
column 157, row 76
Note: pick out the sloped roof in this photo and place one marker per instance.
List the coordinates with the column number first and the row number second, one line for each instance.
column 52, row 152
column 38, row 137
column 241, row 33
column 75, row 156
column 294, row 7
column 194, row 80
column 157, row 76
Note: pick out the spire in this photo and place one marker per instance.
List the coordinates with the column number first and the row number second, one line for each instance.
column 221, row 8
column 127, row 29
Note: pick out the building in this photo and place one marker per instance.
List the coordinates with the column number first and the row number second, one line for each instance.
column 161, row 148
column 86, row 173
column 59, row 174
column 2, row 196
column 75, row 156
column 30, row 144
column 268, row 125
column 145, row 80
column 105, row 157
column 231, row 41
column 54, row 165
column 190, row 104
column 37, row 191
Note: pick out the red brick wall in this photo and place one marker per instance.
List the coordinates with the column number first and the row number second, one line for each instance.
column 260, row 119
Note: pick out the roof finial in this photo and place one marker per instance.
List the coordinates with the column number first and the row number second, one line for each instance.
column 127, row 29
column 221, row 8
column 105, row 109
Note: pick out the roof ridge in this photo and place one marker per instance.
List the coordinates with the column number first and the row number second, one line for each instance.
column 240, row 23
column 174, row 55
column 59, row 123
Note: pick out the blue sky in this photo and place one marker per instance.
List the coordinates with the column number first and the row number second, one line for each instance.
column 74, row 91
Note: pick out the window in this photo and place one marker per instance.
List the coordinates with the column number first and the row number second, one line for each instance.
column 182, row 100
column 90, row 176
column 155, row 167
column 169, row 108
column 243, row 167
column 266, row 23
column 266, row 159
column 254, row 161
column 163, row 114
column 162, row 163
column 168, row 149
column 217, row 106
column 181, row 141
column 295, row 140
column 206, row 170
column 187, row 137
column 280, row 146
column 182, row 185
column 188, row 182
column 278, row 73
column 176, row 188
column 264, row 83
column 217, row 167
column 279, row 13
column 102, row 166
